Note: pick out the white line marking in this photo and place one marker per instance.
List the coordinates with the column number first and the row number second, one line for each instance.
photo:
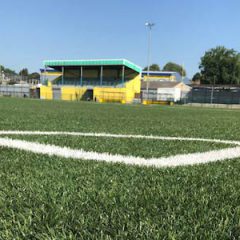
column 109, row 135
column 172, row 161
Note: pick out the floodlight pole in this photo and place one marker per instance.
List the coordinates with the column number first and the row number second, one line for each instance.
column 149, row 25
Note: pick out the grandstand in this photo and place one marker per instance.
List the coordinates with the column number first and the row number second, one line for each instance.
column 111, row 80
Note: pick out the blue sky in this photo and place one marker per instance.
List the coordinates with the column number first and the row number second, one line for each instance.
column 32, row 31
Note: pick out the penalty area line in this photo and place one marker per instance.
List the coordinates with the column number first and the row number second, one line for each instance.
column 109, row 135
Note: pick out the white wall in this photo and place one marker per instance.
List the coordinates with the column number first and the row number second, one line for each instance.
column 169, row 94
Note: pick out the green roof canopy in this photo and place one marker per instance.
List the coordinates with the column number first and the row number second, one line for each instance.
column 100, row 62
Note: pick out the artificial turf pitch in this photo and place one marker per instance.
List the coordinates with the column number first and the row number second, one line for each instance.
column 44, row 197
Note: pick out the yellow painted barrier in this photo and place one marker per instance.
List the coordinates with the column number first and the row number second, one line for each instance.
column 73, row 93
column 149, row 102
column 46, row 93
column 133, row 87
column 109, row 94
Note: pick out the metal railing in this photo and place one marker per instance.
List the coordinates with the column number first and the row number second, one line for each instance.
column 91, row 82
column 105, row 96
column 14, row 91
column 213, row 95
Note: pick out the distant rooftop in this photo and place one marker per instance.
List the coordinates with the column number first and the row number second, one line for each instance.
column 92, row 62
column 160, row 73
column 169, row 72
column 158, row 84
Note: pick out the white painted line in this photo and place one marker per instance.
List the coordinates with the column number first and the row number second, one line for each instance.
column 109, row 135
column 172, row 161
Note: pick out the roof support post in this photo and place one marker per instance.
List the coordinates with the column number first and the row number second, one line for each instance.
column 62, row 75
column 45, row 75
column 101, row 75
column 81, row 76
column 123, row 74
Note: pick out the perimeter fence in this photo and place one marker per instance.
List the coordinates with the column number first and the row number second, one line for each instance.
column 213, row 95
column 19, row 91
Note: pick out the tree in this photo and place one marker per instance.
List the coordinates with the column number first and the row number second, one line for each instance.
column 7, row 71
column 174, row 67
column 24, row 72
column 197, row 77
column 153, row 67
column 34, row 75
column 220, row 66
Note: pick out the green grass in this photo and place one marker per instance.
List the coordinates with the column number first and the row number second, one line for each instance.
column 45, row 197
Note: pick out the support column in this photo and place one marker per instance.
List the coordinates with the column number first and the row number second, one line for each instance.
column 101, row 76
column 44, row 75
column 123, row 74
column 81, row 76
column 62, row 75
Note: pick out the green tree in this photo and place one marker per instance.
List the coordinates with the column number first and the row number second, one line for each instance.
column 34, row 75
column 24, row 72
column 197, row 77
column 7, row 71
column 153, row 67
column 220, row 66
column 174, row 67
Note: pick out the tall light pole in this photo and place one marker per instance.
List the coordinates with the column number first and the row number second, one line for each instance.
column 149, row 25
column 1, row 73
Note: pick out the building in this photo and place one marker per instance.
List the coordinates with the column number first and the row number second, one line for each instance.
column 161, row 76
column 110, row 80
column 163, row 91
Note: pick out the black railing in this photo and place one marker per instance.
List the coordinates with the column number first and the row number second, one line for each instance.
column 213, row 95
